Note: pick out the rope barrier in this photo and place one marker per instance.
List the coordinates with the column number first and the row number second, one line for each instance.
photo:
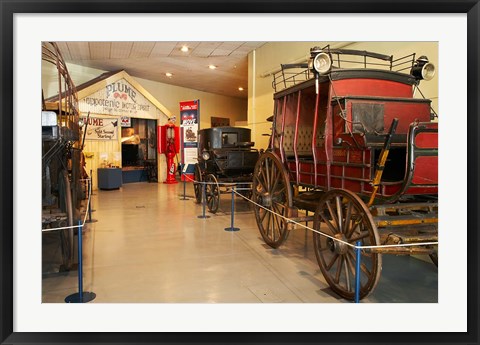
column 336, row 239
column 228, row 184
column 309, row 228
column 266, row 209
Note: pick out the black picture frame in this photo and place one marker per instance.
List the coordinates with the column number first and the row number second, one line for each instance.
column 10, row 7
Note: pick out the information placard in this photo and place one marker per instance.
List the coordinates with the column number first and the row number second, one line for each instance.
column 189, row 122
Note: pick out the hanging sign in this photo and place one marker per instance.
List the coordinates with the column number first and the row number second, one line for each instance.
column 125, row 121
column 117, row 98
column 189, row 123
column 101, row 128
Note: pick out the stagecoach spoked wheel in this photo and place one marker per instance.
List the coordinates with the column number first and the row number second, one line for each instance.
column 212, row 193
column 197, row 187
column 344, row 216
column 272, row 195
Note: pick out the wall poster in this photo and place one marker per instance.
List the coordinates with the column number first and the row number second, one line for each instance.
column 189, row 124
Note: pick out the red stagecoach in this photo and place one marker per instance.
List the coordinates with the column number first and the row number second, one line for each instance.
column 353, row 151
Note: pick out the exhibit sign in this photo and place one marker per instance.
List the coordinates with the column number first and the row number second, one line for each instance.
column 189, row 124
column 117, row 98
column 126, row 121
column 101, row 128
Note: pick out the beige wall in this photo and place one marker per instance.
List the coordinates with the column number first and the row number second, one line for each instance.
column 210, row 104
column 267, row 59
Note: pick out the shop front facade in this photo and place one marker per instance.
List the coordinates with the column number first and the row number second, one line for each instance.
column 120, row 128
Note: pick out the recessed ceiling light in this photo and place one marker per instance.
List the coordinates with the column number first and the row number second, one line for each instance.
column 168, row 74
column 212, row 66
column 240, row 88
column 184, row 49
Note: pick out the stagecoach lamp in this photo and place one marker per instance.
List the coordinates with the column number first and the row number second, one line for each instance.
column 423, row 69
column 205, row 155
column 310, row 64
column 322, row 63
column 428, row 71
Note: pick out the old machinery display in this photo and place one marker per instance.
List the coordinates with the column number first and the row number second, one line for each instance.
column 62, row 159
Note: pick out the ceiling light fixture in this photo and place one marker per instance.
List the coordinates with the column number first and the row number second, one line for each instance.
column 184, row 49
column 212, row 66
column 168, row 74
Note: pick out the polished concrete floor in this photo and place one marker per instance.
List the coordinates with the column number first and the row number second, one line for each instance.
column 148, row 245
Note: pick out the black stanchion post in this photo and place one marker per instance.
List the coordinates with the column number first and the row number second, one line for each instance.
column 204, row 201
column 89, row 210
column 91, row 182
column 91, row 193
column 87, row 181
column 232, row 228
column 80, row 296
column 90, row 220
column 184, row 183
column 357, row 273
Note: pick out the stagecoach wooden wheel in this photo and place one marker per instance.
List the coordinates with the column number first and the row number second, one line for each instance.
column 273, row 197
column 344, row 216
column 197, row 187
column 212, row 193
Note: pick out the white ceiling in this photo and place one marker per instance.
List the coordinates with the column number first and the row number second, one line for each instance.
column 151, row 60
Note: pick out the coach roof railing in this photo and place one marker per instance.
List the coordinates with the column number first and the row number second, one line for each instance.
column 292, row 74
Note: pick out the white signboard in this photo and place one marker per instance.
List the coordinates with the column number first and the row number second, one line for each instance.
column 190, row 156
column 101, row 128
column 125, row 121
column 118, row 98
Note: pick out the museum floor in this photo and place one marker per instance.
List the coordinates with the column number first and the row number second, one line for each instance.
column 148, row 245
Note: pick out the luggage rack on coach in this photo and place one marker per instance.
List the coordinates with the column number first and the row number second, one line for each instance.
column 295, row 73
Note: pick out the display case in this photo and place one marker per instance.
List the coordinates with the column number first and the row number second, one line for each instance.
column 109, row 178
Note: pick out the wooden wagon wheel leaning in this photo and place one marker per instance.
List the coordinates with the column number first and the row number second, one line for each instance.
column 347, row 218
column 197, row 187
column 212, row 193
column 271, row 189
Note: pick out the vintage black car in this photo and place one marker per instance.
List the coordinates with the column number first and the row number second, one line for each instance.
column 225, row 158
